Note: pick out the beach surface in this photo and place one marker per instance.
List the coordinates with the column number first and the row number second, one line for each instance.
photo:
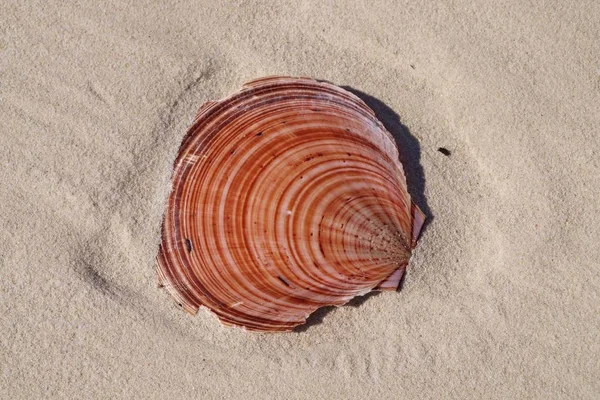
column 502, row 296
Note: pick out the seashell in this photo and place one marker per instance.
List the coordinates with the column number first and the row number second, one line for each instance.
column 287, row 196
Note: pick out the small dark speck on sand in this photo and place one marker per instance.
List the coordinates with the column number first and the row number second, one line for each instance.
column 444, row 151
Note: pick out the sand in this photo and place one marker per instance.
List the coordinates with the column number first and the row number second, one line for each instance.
column 501, row 299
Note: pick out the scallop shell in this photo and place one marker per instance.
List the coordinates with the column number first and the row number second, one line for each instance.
column 287, row 196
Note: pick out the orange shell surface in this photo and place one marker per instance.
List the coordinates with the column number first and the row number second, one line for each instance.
column 287, row 196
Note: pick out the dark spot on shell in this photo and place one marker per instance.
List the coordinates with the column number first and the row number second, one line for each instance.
column 286, row 283
column 259, row 134
column 188, row 243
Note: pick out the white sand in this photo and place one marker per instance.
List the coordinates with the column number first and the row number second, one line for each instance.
column 502, row 297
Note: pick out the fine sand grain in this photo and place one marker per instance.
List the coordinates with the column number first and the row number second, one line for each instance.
column 501, row 299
